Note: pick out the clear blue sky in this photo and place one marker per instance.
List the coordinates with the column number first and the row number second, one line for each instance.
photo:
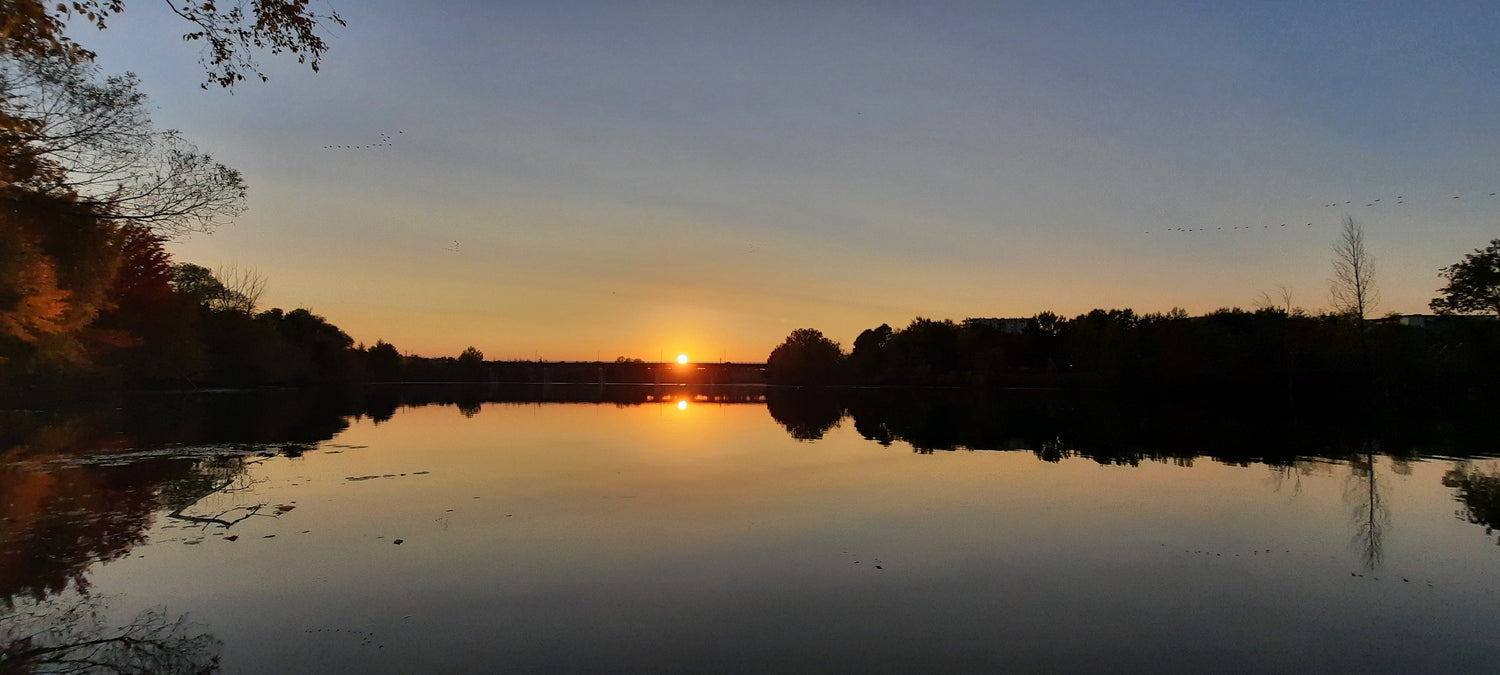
column 581, row 179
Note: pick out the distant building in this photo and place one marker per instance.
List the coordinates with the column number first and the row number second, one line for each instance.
column 1430, row 320
column 1006, row 326
column 1416, row 320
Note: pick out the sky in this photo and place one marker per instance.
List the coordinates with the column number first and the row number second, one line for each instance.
column 582, row 180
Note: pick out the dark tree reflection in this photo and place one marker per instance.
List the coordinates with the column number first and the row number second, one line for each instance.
column 1479, row 492
column 84, row 488
column 75, row 637
column 806, row 413
column 1369, row 515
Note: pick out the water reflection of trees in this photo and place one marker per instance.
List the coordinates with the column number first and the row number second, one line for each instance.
column 1479, row 492
column 82, row 488
column 1226, row 426
column 62, row 515
column 807, row 414
column 73, row 636
column 1370, row 515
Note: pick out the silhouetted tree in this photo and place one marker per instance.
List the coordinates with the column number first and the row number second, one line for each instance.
column 925, row 352
column 206, row 289
column 321, row 350
column 243, row 285
column 806, row 357
column 1473, row 283
column 471, row 364
column 1281, row 301
column 384, row 362
column 231, row 32
column 867, row 362
column 1352, row 290
column 67, row 133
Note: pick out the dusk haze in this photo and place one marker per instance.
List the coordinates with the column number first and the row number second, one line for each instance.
column 571, row 179
column 749, row 337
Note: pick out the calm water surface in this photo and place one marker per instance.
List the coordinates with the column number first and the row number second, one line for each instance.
column 693, row 536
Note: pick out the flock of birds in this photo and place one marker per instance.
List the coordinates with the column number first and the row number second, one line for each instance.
column 385, row 142
column 1211, row 229
column 1400, row 200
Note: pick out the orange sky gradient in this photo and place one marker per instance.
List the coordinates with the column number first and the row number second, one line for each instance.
column 581, row 181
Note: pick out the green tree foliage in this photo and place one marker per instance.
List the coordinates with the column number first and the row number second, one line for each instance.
column 1473, row 283
column 806, row 357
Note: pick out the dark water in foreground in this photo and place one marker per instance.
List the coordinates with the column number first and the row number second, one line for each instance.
column 712, row 530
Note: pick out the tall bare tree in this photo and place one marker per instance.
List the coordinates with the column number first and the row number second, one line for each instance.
column 1352, row 290
column 243, row 285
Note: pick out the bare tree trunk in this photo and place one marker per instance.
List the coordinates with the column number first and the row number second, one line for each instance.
column 1352, row 291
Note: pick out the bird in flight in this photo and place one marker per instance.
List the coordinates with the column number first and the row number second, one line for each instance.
column 384, row 142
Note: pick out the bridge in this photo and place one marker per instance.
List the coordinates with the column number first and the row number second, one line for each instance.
column 631, row 372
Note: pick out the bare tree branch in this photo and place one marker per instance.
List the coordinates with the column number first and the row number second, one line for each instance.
column 1352, row 290
column 64, row 133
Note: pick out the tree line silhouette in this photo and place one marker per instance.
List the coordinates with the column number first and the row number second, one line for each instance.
column 1270, row 351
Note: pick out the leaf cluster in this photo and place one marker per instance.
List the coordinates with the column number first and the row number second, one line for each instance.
column 1473, row 283
column 231, row 31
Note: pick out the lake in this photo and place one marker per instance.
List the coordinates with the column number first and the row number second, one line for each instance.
column 675, row 529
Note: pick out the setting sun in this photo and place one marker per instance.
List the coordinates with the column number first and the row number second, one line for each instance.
column 682, row 358
column 682, row 405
